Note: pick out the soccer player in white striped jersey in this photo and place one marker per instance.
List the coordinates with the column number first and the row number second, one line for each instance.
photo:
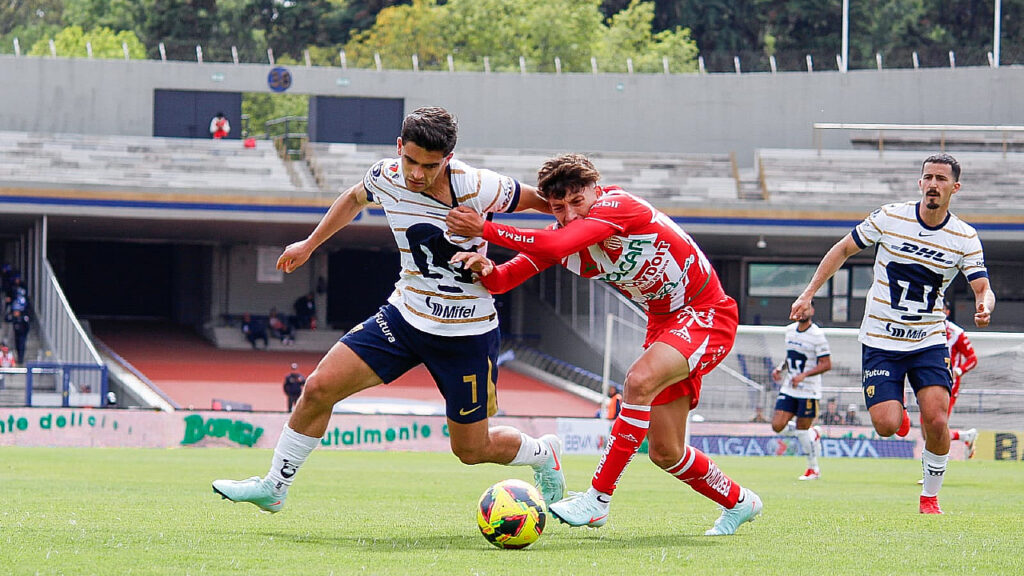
column 807, row 357
column 920, row 248
column 437, row 316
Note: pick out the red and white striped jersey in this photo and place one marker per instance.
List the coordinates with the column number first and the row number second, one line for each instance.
column 627, row 243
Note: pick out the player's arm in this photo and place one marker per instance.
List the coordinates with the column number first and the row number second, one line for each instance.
column 830, row 264
column 344, row 209
column 968, row 358
column 554, row 244
column 501, row 278
column 824, row 365
column 984, row 301
column 529, row 199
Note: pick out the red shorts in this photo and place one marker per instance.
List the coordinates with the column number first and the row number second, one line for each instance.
column 704, row 335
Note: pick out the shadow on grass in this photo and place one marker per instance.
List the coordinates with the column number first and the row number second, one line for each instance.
column 562, row 540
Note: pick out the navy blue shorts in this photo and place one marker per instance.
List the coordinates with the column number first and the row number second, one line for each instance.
column 464, row 368
column 802, row 407
column 885, row 371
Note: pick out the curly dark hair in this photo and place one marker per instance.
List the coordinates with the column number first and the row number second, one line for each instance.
column 431, row 128
column 564, row 174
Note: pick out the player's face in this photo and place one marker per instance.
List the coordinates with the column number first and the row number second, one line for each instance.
column 575, row 206
column 937, row 185
column 420, row 166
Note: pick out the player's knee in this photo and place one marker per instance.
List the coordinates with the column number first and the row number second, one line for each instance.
column 470, row 454
column 640, row 386
column 885, row 428
column 663, row 456
column 317, row 393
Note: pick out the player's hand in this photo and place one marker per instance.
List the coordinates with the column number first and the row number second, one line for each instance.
column 776, row 374
column 801, row 309
column 466, row 222
column 479, row 264
column 797, row 380
column 983, row 316
column 294, row 255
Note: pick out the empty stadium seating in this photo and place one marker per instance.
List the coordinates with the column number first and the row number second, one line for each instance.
column 144, row 164
column 658, row 177
column 800, row 176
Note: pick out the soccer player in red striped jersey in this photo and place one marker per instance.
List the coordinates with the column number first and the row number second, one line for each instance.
column 608, row 234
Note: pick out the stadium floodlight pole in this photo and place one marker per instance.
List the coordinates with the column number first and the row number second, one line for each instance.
column 845, row 65
column 996, row 25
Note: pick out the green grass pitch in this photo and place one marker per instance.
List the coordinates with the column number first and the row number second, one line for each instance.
column 132, row 511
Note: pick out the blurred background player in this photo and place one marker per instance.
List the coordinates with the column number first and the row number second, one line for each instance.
column 608, row 234
column 962, row 360
column 437, row 316
column 920, row 248
column 807, row 358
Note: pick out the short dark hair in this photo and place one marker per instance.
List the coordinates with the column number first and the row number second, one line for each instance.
column 431, row 128
column 943, row 159
column 564, row 174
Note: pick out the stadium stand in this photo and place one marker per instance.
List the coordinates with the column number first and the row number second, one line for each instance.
column 658, row 177
column 802, row 176
column 106, row 162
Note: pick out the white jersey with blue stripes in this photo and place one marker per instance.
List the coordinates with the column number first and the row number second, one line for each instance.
column 802, row 352
column 429, row 294
column 914, row 264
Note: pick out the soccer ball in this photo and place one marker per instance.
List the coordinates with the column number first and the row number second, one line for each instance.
column 511, row 514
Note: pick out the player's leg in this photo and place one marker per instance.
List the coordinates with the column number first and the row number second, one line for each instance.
column 931, row 380
column 785, row 409
column 366, row 356
column 669, row 451
column 809, row 437
column 465, row 370
column 340, row 374
column 884, row 374
column 658, row 367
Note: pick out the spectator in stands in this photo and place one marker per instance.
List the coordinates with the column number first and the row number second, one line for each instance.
column 21, row 324
column 6, row 361
column 759, row 416
column 851, row 416
column 254, row 330
column 219, row 126
column 612, row 405
column 305, row 312
column 279, row 328
column 832, row 417
column 293, row 384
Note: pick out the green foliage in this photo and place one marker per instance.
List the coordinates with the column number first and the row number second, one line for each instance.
column 262, row 108
column 504, row 30
column 151, row 511
column 71, row 42
column 114, row 14
column 630, row 35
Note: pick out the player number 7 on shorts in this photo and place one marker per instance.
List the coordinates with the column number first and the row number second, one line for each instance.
column 471, row 380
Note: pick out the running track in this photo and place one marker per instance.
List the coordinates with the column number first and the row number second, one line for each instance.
column 193, row 372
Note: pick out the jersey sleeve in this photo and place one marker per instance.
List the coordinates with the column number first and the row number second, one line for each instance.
column 821, row 347
column 870, row 230
column 373, row 181
column 494, row 192
column 510, row 274
column 973, row 263
column 551, row 244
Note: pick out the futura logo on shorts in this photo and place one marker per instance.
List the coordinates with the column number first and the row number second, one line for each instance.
column 872, row 373
column 384, row 328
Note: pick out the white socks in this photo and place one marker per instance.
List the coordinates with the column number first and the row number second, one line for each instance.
column 933, row 467
column 291, row 451
column 532, row 452
column 811, row 445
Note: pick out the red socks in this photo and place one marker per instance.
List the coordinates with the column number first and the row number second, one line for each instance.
column 701, row 473
column 628, row 433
